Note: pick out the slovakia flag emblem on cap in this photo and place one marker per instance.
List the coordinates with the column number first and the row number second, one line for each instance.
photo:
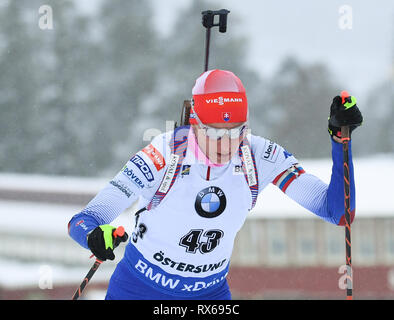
column 226, row 116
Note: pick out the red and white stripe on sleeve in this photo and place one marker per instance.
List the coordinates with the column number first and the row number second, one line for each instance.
column 285, row 178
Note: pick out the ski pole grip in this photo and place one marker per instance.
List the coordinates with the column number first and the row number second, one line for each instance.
column 345, row 97
column 118, row 232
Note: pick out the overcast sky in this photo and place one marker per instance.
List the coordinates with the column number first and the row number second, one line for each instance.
column 359, row 57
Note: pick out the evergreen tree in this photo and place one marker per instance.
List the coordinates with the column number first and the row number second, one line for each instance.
column 128, row 69
column 68, row 99
column 376, row 135
column 377, row 131
column 71, row 96
column 18, row 87
column 300, row 97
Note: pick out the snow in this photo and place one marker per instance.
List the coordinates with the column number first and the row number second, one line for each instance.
column 14, row 274
column 38, row 218
column 12, row 181
column 373, row 178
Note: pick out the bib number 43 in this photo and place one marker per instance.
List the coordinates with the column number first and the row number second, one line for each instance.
column 192, row 240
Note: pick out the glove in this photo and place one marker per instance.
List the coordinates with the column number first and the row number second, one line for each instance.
column 104, row 239
column 343, row 112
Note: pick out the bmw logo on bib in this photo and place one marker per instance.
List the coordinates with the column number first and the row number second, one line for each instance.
column 210, row 202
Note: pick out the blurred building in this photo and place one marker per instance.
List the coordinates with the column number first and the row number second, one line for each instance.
column 282, row 251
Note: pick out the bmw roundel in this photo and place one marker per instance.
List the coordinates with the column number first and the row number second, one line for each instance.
column 210, row 202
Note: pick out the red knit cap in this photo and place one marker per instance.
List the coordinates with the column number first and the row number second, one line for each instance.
column 219, row 96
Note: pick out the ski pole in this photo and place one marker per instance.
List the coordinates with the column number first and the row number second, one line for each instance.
column 119, row 232
column 86, row 280
column 345, row 137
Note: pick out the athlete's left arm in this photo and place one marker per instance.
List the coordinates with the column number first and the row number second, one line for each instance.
column 326, row 201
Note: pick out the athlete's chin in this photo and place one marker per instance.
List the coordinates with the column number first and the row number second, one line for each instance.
column 223, row 157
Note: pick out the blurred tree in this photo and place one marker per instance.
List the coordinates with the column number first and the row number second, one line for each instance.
column 18, row 87
column 128, row 70
column 68, row 98
column 300, row 98
column 103, row 70
column 377, row 134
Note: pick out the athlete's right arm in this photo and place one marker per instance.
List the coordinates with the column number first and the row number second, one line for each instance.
column 139, row 177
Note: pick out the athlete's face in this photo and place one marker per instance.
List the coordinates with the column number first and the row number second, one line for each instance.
column 219, row 150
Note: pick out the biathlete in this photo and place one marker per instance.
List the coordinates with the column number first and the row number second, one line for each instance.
column 195, row 186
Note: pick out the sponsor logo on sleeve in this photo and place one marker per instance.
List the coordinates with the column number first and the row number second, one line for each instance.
column 155, row 156
column 81, row 223
column 144, row 168
column 271, row 152
column 287, row 154
column 122, row 188
column 129, row 173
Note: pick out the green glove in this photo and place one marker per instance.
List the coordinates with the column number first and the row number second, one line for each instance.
column 104, row 239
